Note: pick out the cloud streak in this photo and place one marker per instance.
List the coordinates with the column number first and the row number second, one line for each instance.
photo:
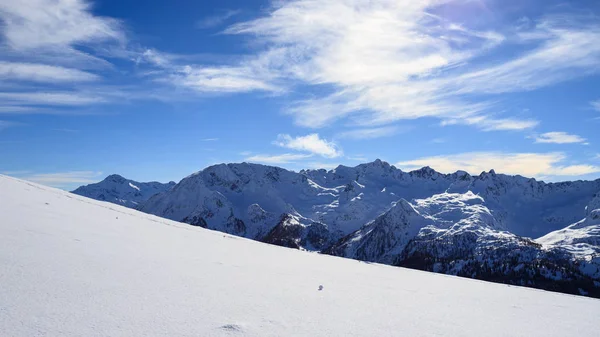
column 43, row 73
column 36, row 24
column 369, row 133
column 387, row 60
column 216, row 20
column 55, row 42
column 559, row 138
column 285, row 158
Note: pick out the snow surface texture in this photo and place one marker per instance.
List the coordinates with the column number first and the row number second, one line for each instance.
column 72, row 266
column 119, row 190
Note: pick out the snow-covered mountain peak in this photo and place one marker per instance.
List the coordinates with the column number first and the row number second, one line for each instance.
column 425, row 172
column 404, row 207
column 115, row 178
column 123, row 191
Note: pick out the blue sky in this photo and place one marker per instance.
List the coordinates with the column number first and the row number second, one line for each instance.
column 158, row 90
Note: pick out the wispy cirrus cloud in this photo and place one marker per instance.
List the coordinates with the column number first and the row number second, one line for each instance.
column 54, row 43
column 35, row 24
column 67, row 98
column 370, row 133
column 595, row 105
column 311, row 143
column 408, row 60
column 216, row 20
column 559, row 138
column 43, row 73
column 490, row 124
column 238, row 78
column 538, row 165
column 285, row 158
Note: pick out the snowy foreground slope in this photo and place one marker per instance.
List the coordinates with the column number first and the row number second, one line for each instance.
column 72, row 266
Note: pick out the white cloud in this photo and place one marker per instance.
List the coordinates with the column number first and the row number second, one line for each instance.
column 219, row 79
column 63, row 179
column 568, row 50
column 596, row 105
column 491, row 124
column 403, row 59
column 49, row 98
column 285, row 158
column 559, row 138
column 526, row 164
column 55, row 42
column 210, row 79
column 216, row 20
column 310, row 143
column 10, row 109
column 209, row 139
column 54, row 24
column 43, row 73
column 369, row 133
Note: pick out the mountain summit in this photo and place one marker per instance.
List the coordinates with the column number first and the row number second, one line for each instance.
column 122, row 191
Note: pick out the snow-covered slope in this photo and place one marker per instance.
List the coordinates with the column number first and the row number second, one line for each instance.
column 581, row 240
column 119, row 190
column 457, row 234
column 72, row 266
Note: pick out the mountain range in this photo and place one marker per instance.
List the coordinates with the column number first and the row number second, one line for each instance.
column 494, row 227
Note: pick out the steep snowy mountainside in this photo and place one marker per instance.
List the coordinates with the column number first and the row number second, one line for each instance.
column 242, row 199
column 73, row 266
column 122, row 191
column 581, row 240
column 532, row 208
column 457, row 234
column 383, row 238
column 524, row 206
